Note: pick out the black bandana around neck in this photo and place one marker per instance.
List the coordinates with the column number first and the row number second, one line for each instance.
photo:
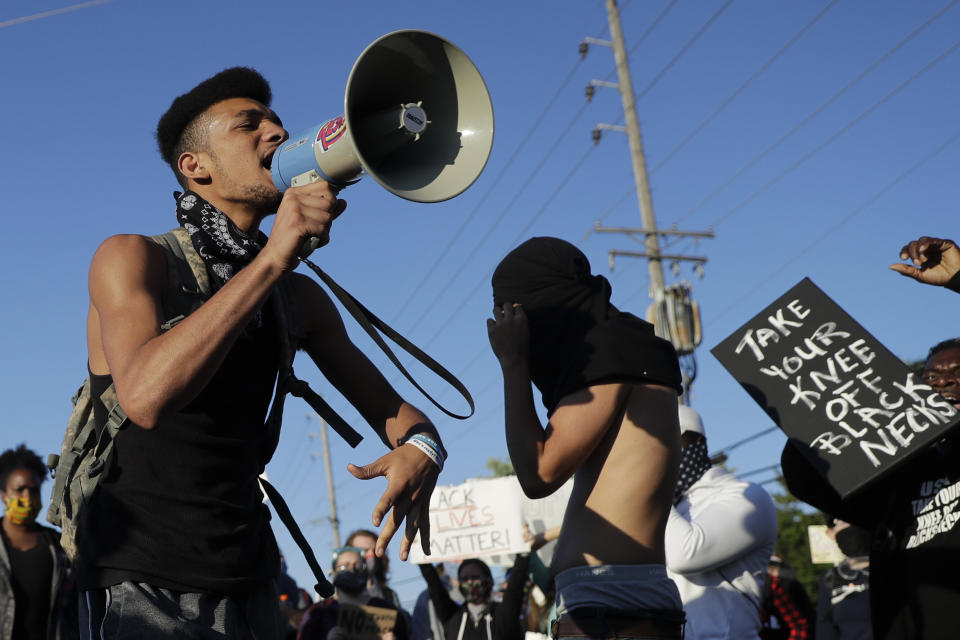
column 223, row 246
column 694, row 462
column 577, row 338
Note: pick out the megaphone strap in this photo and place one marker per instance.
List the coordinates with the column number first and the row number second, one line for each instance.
column 323, row 587
column 368, row 320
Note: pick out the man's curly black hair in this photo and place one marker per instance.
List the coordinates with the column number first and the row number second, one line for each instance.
column 20, row 458
column 181, row 128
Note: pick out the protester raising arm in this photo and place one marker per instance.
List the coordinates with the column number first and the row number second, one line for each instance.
column 546, row 458
column 442, row 602
column 936, row 261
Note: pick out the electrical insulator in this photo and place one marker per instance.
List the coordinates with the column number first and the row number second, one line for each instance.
column 596, row 136
column 583, row 49
column 698, row 269
column 675, row 268
column 589, row 91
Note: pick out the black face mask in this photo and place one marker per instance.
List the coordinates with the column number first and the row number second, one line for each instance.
column 351, row 582
column 854, row 541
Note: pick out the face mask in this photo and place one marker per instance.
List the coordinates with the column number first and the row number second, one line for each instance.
column 22, row 510
column 352, row 582
column 854, row 541
column 694, row 462
column 476, row 590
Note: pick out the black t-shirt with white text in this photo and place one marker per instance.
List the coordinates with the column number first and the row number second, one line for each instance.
column 915, row 554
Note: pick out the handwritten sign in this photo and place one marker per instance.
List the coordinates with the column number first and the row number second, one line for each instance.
column 823, row 549
column 476, row 519
column 366, row 622
column 540, row 514
column 855, row 410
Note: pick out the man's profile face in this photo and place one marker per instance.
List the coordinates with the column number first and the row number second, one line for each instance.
column 942, row 372
column 243, row 136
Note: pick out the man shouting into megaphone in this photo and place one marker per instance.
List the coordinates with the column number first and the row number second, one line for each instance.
column 181, row 540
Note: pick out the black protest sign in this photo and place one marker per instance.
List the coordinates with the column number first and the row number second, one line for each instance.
column 853, row 408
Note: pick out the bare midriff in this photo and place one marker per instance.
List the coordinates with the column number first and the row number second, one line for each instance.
column 621, row 496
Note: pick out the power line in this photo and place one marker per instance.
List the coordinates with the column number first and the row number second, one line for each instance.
column 492, row 227
column 872, row 67
column 653, row 25
column 756, row 74
column 747, row 439
column 835, row 136
column 735, row 303
column 746, row 474
column 493, row 185
column 457, row 308
column 684, row 49
column 518, row 148
column 537, row 169
column 52, row 12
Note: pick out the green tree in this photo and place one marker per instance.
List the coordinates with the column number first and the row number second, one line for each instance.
column 500, row 467
column 793, row 542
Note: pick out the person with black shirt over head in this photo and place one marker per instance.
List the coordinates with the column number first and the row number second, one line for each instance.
column 183, row 544
column 610, row 389
column 36, row 585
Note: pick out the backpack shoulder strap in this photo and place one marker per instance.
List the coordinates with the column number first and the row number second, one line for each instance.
column 188, row 283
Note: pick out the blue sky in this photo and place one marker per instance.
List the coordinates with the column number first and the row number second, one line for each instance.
column 820, row 162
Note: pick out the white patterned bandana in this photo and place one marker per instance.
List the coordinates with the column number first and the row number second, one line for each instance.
column 222, row 245
column 694, row 462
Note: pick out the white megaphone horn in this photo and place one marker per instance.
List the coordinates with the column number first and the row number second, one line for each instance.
column 417, row 119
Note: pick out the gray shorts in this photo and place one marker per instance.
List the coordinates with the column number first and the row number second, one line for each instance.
column 140, row 611
column 618, row 601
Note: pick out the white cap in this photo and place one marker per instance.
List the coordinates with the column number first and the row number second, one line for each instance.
column 690, row 420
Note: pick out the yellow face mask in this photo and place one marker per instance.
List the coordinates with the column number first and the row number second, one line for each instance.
column 22, row 510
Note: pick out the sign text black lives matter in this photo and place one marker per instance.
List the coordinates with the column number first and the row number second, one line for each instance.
column 855, row 410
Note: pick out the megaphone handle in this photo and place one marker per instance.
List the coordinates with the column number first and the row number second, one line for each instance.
column 312, row 243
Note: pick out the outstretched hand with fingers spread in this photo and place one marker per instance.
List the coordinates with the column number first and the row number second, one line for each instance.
column 935, row 260
column 411, row 477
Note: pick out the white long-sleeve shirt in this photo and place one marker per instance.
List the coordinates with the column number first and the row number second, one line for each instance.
column 719, row 539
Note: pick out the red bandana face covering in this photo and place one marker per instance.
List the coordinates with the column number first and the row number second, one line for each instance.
column 22, row 510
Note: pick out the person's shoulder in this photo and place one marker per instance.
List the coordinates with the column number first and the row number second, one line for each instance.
column 123, row 252
column 730, row 483
column 126, row 242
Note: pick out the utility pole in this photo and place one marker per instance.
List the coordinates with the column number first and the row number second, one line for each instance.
column 625, row 84
column 675, row 315
column 334, row 522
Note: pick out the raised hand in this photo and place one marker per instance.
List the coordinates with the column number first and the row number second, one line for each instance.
column 935, row 260
column 305, row 211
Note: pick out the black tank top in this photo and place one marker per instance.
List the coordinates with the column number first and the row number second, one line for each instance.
column 181, row 507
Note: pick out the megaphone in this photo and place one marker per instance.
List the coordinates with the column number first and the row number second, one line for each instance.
column 417, row 119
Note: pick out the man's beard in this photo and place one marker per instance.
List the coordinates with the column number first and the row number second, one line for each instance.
column 266, row 200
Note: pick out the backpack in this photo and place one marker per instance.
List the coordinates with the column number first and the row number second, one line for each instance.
column 86, row 453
